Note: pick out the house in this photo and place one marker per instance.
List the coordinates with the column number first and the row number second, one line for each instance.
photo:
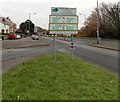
column 6, row 26
column 40, row 31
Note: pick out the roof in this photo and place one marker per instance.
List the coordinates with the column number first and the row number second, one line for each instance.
column 6, row 21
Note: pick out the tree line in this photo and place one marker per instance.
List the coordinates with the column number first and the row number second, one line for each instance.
column 109, row 22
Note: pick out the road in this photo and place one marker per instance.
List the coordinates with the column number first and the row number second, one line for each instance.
column 107, row 59
column 110, row 43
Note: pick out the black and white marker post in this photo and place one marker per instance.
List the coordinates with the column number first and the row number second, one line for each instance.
column 71, row 47
column 54, row 47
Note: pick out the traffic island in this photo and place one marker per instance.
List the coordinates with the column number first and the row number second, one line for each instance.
column 44, row 79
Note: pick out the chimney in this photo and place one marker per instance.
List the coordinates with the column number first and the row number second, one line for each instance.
column 7, row 17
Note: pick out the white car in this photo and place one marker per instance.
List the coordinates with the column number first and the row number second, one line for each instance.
column 18, row 36
column 53, row 35
column 32, row 36
column 0, row 38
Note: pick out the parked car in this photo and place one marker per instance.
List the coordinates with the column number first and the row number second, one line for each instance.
column 18, row 36
column 35, row 37
column 12, row 36
column 0, row 38
column 32, row 35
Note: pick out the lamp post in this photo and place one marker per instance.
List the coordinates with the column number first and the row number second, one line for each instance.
column 97, row 24
column 29, row 21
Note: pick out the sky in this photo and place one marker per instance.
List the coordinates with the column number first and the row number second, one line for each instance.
column 18, row 10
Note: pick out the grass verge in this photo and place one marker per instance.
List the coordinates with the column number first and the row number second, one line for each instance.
column 43, row 79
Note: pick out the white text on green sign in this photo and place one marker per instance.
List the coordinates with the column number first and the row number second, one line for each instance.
column 63, row 11
column 63, row 32
column 63, row 27
column 63, row 19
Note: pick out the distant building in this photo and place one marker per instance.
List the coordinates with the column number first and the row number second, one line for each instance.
column 40, row 31
column 36, row 29
column 3, row 28
column 6, row 25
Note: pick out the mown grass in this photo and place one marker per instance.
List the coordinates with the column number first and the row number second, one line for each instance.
column 43, row 79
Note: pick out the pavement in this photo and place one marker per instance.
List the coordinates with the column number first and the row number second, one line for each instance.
column 105, row 46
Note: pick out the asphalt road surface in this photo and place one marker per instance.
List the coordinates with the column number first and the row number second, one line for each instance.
column 105, row 58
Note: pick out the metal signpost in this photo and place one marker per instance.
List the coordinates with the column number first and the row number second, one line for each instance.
column 72, row 45
column 63, row 21
column 54, row 47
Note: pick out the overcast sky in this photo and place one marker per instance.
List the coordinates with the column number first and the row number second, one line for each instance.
column 18, row 10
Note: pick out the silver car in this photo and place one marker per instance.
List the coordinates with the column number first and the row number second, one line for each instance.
column 35, row 37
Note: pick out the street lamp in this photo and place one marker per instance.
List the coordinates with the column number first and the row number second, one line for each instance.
column 29, row 21
column 97, row 24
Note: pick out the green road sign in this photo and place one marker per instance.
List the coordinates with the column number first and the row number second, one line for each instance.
column 63, row 19
column 63, row 11
column 63, row 27
column 63, row 32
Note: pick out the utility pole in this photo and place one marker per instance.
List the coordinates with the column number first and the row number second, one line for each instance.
column 118, row 20
column 98, row 25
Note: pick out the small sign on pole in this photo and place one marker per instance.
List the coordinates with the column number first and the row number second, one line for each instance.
column 72, row 46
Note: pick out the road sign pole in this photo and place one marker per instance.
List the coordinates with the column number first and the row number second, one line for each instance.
column 72, row 47
column 54, row 47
